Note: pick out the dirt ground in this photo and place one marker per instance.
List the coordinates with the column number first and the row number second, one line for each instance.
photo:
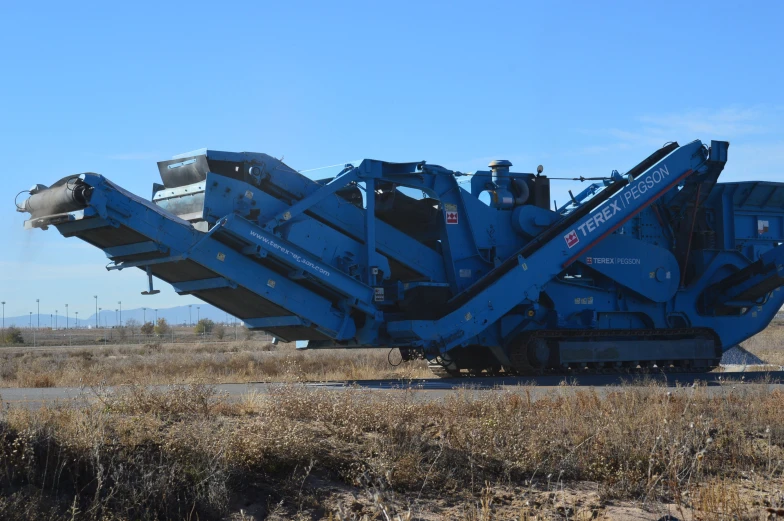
column 746, row 499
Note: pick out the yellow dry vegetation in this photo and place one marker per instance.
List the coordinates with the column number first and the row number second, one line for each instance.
column 296, row 452
column 208, row 362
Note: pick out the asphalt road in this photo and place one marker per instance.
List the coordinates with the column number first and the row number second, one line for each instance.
column 434, row 389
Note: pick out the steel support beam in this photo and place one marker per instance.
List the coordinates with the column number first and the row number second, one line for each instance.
column 359, row 294
column 191, row 286
column 262, row 323
column 134, row 249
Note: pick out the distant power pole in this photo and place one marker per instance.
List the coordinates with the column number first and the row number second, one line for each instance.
column 120, row 303
column 38, row 303
column 96, row 311
column 190, row 320
column 66, row 316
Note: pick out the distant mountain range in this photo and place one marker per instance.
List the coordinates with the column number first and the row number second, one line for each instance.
column 175, row 316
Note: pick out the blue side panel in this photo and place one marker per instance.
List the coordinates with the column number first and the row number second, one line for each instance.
column 225, row 196
column 648, row 270
column 749, row 216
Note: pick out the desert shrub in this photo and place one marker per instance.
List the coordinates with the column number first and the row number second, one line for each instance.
column 36, row 380
column 132, row 325
column 203, row 326
column 219, row 331
column 137, row 468
column 162, row 327
column 148, row 328
column 13, row 335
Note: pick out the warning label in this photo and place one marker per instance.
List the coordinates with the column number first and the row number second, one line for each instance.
column 451, row 213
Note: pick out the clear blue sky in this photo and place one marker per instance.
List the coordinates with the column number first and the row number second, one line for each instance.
column 582, row 87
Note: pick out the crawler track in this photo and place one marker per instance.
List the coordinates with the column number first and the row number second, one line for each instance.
column 608, row 369
column 520, row 357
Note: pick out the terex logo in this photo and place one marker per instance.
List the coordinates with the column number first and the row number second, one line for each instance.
column 600, row 218
column 644, row 184
column 625, row 198
column 571, row 238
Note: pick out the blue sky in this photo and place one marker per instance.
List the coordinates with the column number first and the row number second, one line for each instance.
column 582, row 88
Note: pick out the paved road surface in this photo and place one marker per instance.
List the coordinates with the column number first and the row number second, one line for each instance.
column 433, row 389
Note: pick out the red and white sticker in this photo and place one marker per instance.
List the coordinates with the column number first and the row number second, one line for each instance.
column 451, row 213
column 571, row 238
column 762, row 226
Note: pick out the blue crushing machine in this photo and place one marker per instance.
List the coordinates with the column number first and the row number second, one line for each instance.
column 661, row 267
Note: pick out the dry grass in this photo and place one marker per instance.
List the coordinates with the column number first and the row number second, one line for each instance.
column 189, row 453
column 252, row 360
column 225, row 362
column 768, row 344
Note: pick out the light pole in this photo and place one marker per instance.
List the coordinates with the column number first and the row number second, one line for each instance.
column 104, row 322
column 4, row 318
column 120, row 303
column 190, row 320
column 156, row 316
column 55, row 318
column 96, row 311
column 144, row 315
column 77, row 319
column 31, row 320
column 116, row 321
column 38, row 303
column 66, row 316
column 198, row 314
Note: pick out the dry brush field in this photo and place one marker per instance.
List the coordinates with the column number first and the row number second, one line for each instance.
column 303, row 453
column 232, row 361
column 188, row 452
column 206, row 362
